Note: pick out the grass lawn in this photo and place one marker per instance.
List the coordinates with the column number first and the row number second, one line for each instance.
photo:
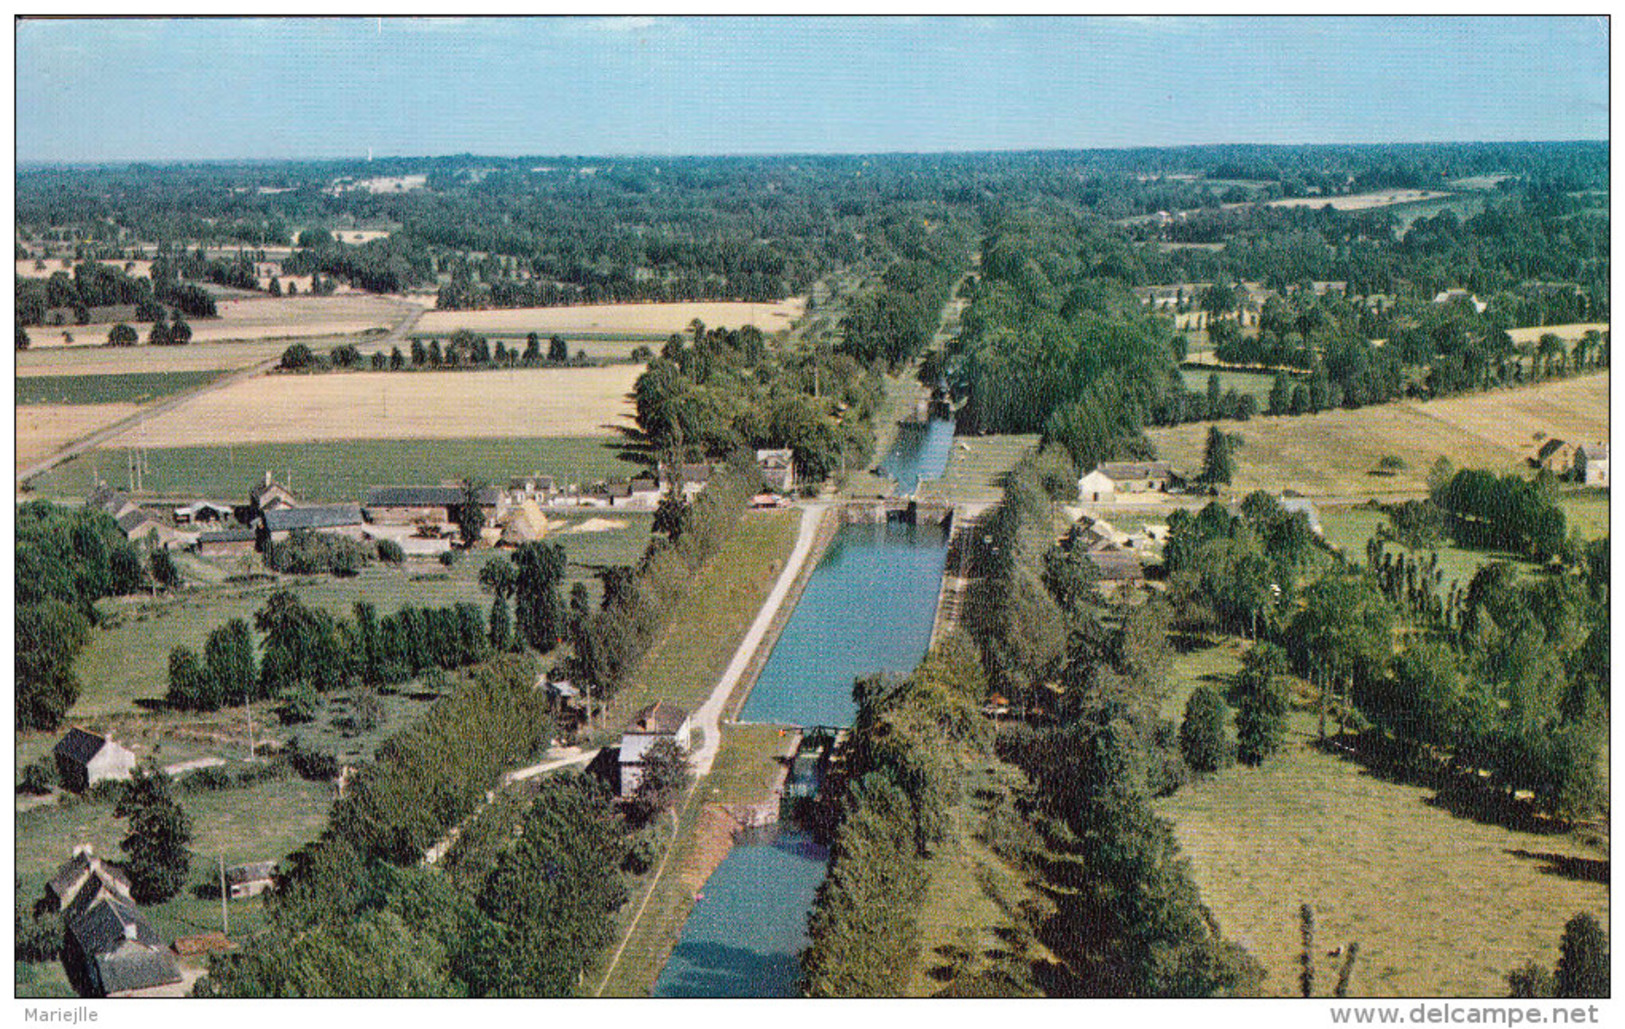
column 342, row 470
column 134, row 388
column 1441, row 905
column 976, row 467
column 1256, row 383
column 128, row 657
column 266, row 821
column 1587, row 510
column 722, row 600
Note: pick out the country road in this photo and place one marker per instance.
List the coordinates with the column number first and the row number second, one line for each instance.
column 100, row 436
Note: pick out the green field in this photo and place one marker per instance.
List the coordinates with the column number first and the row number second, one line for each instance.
column 1440, row 905
column 134, row 388
column 976, row 468
column 128, row 658
column 265, row 821
column 721, row 601
column 1256, row 383
column 342, row 470
column 1465, row 206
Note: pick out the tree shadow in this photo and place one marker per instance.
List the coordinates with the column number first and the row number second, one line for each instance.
column 1460, row 793
column 1567, row 866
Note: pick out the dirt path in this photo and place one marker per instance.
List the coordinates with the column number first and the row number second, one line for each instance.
column 408, row 318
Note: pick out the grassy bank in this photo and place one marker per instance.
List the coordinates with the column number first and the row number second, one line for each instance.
column 340, row 470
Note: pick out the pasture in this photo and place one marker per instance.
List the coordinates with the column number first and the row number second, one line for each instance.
column 1334, row 452
column 1255, row 383
column 1440, row 905
column 334, row 471
column 289, row 408
column 656, row 320
column 1569, row 331
column 127, row 658
column 1361, row 201
column 131, row 388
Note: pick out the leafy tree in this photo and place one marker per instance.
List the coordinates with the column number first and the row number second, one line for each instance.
column 1582, row 969
column 49, row 635
column 502, row 634
column 191, row 687
column 558, row 351
column 1261, row 710
column 156, row 855
column 1201, row 735
column 298, row 357
column 666, row 775
column 499, row 576
column 121, row 335
column 1531, row 981
column 539, row 609
column 164, row 571
column 1218, row 457
column 470, row 515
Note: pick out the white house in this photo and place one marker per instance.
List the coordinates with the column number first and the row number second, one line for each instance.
column 778, row 469
column 1110, row 478
column 659, row 721
column 1591, row 464
column 84, row 759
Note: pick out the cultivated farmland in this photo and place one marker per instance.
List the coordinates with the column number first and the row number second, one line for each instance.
column 1334, row 452
column 134, row 388
column 93, row 359
column 256, row 318
column 43, row 429
column 629, row 319
column 397, row 405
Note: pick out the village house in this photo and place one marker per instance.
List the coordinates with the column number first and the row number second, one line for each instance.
column 1591, row 464
column 109, row 950
column 1305, row 507
column 404, row 505
column 232, row 542
column 201, row 511
column 1105, row 481
column 778, row 469
column 250, row 880
column 84, row 759
column 1555, row 455
column 646, row 491
column 269, row 496
column 110, row 502
column 659, row 721
column 343, row 519
column 536, row 488
column 1453, row 295
column 696, row 476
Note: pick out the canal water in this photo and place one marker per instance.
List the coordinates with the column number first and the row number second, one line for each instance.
column 920, row 453
column 867, row 608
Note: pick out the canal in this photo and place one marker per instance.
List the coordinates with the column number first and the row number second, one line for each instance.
column 868, row 608
column 920, row 453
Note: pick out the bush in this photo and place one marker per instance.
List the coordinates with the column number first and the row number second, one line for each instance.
column 311, row 764
column 38, row 777
column 37, row 938
column 390, row 552
column 297, row 704
column 450, row 557
column 298, row 357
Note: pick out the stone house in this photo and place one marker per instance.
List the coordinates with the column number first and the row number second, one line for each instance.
column 84, row 759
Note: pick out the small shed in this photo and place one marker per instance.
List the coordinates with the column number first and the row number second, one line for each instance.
column 84, row 759
column 225, row 542
column 250, row 880
column 656, row 722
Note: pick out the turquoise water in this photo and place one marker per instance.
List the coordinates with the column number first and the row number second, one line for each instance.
column 868, row 608
column 745, row 937
column 921, row 452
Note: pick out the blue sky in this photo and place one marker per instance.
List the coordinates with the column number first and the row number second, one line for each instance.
column 196, row 89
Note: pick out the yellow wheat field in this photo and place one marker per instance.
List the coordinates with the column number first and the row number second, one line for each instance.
column 43, row 429
column 650, row 319
column 1361, row 201
column 283, row 408
column 253, row 319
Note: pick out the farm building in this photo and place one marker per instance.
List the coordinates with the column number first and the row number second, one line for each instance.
column 696, row 476
column 778, row 469
column 250, row 880
column 1591, row 464
column 659, row 721
column 403, row 505
column 536, row 488
column 1450, row 296
column 111, row 951
column 269, row 496
column 344, row 519
column 1105, row 481
column 201, row 511
column 1554, row 454
column 232, row 542
column 645, row 490
column 110, row 502
column 84, row 759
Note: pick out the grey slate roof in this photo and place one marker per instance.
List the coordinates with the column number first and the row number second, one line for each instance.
column 1135, row 469
column 251, row 872
column 133, row 519
column 79, row 746
column 72, row 873
column 104, row 925
column 137, row 967
column 106, row 498
column 422, row 496
column 226, row 535
column 324, row 516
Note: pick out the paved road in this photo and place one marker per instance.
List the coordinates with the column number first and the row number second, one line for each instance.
column 708, row 718
column 100, row 436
